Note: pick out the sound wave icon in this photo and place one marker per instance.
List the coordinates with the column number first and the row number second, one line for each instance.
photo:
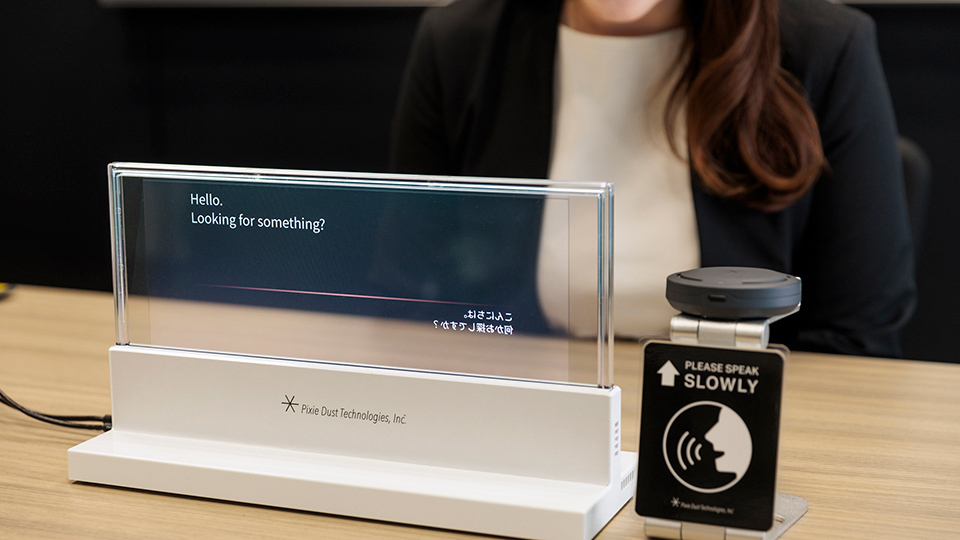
column 686, row 448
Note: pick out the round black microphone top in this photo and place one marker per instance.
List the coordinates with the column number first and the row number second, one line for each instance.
column 733, row 292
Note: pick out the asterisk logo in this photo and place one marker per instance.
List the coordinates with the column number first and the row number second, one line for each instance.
column 675, row 502
column 291, row 406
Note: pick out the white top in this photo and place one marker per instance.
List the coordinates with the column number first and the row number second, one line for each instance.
column 608, row 126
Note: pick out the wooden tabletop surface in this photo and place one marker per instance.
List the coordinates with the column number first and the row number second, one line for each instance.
column 873, row 445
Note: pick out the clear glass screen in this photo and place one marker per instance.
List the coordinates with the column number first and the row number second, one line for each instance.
column 450, row 275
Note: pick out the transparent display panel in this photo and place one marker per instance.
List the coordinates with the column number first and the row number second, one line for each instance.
column 504, row 278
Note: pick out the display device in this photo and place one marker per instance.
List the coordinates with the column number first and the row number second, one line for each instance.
column 391, row 347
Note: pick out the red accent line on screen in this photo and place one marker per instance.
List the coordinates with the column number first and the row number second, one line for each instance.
column 345, row 295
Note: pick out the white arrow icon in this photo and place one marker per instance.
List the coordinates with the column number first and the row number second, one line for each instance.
column 667, row 373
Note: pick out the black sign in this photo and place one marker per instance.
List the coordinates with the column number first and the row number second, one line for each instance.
column 709, row 430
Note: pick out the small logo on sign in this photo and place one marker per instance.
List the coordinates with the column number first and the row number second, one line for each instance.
column 707, row 447
column 291, row 405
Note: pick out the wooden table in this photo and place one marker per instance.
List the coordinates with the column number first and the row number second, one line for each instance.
column 873, row 445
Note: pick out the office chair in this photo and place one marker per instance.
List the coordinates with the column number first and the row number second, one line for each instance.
column 917, row 180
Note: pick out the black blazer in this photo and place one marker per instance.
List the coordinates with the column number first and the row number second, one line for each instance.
column 478, row 100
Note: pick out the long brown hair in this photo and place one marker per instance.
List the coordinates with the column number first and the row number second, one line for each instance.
column 752, row 136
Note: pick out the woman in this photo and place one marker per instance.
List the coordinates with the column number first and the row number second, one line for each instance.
column 775, row 144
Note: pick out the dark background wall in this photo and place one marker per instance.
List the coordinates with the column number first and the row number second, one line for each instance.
column 81, row 86
column 920, row 48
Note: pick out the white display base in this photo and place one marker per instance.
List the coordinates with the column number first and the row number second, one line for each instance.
column 511, row 458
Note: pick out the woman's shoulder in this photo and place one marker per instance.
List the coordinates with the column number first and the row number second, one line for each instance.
column 462, row 41
column 453, row 41
column 463, row 21
column 818, row 35
column 822, row 19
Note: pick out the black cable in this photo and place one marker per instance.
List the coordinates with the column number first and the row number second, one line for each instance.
column 100, row 423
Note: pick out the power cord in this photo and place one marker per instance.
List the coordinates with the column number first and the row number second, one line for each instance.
column 98, row 423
